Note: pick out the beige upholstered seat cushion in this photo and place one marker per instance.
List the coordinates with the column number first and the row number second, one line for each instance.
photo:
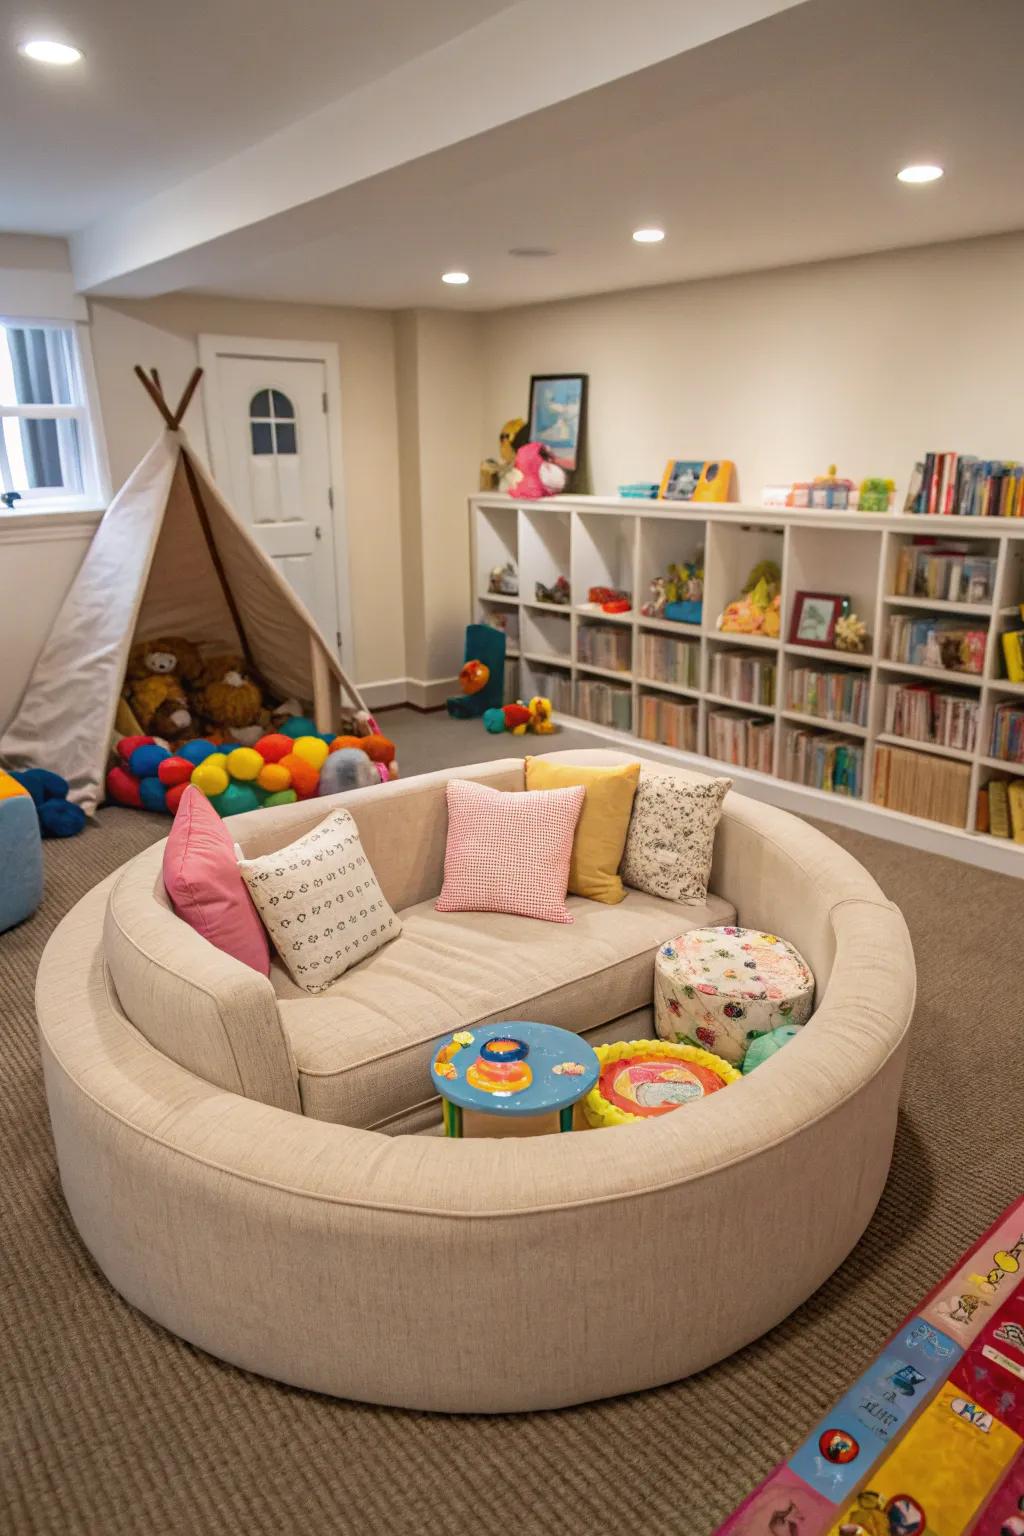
column 362, row 1046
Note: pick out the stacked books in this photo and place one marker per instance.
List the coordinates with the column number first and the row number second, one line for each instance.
column 741, row 740
column 739, row 675
column 960, row 485
column 823, row 761
column 556, row 686
column 945, row 571
column 604, row 645
column 669, row 721
column 829, row 694
column 664, row 659
column 1007, row 737
column 1001, row 809
column 924, row 713
column 603, row 703
column 930, row 642
column 934, row 787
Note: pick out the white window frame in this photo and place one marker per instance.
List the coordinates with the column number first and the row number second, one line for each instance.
column 95, row 491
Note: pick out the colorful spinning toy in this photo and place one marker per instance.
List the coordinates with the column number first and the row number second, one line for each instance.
column 641, row 1079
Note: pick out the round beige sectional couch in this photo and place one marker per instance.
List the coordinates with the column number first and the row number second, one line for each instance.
column 218, row 1195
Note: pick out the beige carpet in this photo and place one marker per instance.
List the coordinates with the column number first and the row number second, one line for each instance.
column 108, row 1425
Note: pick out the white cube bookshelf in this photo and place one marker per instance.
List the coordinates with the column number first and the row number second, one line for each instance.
column 619, row 543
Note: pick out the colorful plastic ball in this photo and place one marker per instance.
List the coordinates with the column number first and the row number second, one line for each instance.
column 126, row 746
column 494, row 721
column 273, row 777
column 152, row 794
column 174, row 795
column 123, row 787
column 305, row 778
column 474, row 676
column 244, row 763
column 174, row 770
column 145, row 761
column 210, row 778
column 341, row 742
column 313, row 750
column 379, row 749
column 282, row 797
column 197, row 751
column 237, row 798
column 327, row 737
column 299, row 725
column 217, row 758
column 273, row 747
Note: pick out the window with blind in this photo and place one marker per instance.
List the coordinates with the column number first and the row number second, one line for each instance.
column 48, row 457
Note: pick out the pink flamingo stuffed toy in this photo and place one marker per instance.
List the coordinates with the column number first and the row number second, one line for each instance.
column 541, row 473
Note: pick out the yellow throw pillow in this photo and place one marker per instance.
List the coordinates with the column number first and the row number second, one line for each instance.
column 604, row 822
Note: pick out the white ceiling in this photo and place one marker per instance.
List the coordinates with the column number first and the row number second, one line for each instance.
column 756, row 139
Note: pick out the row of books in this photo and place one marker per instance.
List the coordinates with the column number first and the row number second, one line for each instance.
column 741, row 676
column 961, row 485
column 831, row 694
column 741, row 740
column 1001, row 810
column 670, row 721
column 934, row 787
column 604, row 703
column 603, row 645
column 823, row 761
column 553, row 685
column 930, row 642
column 923, row 713
column 1007, row 736
column 664, row 659
column 948, row 572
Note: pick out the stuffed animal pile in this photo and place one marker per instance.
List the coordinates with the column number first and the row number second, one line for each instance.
column 176, row 693
column 519, row 718
column 293, row 763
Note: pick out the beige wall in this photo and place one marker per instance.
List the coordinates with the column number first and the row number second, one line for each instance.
column 866, row 363
column 163, row 332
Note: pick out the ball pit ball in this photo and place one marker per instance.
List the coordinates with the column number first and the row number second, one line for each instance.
column 281, row 797
column 152, row 793
column 299, row 725
column 174, row 770
column 273, row 777
column 244, row 763
column 312, row 750
column 236, row 798
column 379, row 749
column 210, row 778
column 174, row 795
column 197, row 751
column 305, row 778
column 341, row 742
column 145, row 761
column 273, row 747
column 123, row 787
column 126, row 746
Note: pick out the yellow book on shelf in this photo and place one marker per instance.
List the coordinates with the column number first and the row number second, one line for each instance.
column 1013, row 651
column 1015, row 795
column 998, row 808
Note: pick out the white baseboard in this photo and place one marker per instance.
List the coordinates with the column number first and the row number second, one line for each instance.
column 421, row 692
column 393, row 690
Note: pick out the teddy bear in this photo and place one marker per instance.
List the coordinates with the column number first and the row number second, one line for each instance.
column 229, row 700
column 156, row 681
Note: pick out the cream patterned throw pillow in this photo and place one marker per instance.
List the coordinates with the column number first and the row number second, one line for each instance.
column 321, row 902
column 672, row 836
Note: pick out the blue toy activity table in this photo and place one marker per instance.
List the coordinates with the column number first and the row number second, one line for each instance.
column 512, row 1070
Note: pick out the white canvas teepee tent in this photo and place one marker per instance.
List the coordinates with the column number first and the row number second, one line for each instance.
column 169, row 557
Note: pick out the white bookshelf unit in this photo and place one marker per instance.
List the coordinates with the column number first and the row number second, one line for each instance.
column 614, row 542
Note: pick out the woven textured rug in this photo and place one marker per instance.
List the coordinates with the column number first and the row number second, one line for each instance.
column 109, row 1425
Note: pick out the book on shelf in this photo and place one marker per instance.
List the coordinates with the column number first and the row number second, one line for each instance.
column 670, row 721
column 923, row 712
column 553, row 685
column 821, row 760
column 1006, row 738
column 948, row 572
column 837, row 696
column 998, row 807
column 667, row 659
column 1013, row 654
column 603, row 645
column 949, row 644
column 936, row 788
column 604, row 703
column 739, row 675
column 741, row 740
column 961, row 485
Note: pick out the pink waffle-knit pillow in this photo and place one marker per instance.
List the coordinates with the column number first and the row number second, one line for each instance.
column 509, row 852
column 204, row 882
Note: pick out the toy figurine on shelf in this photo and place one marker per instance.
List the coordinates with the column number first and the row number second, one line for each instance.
column 829, row 491
column 756, row 612
column 559, row 594
column 496, row 474
column 851, row 633
column 679, row 596
column 537, row 473
column 504, row 580
column 610, row 599
column 875, row 495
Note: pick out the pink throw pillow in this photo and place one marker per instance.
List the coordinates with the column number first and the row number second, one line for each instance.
column 202, row 878
column 509, row 852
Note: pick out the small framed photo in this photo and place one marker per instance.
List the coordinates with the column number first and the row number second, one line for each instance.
column 681, row 479
column 814, row 618
column 558, row 408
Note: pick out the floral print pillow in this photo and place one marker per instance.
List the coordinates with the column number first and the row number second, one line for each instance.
column 672, row 836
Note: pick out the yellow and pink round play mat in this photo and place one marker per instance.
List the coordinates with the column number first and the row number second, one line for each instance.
column 641, row 1079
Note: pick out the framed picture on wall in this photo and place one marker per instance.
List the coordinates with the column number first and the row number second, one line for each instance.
column 558, row 409
column 814, row 618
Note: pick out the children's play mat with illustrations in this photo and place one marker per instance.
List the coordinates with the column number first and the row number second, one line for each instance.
column 930, row 1440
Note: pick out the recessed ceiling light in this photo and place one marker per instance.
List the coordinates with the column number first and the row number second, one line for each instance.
column 648, row 236
column 455, row 278
column 46, row 52
column 918, row 173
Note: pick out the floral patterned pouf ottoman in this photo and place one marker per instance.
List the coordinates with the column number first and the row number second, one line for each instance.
column 720, row 988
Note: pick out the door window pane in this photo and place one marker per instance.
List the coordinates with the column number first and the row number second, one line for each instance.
column 283, row 406
column 285, row 431
column 259, row 405
column 262, row 437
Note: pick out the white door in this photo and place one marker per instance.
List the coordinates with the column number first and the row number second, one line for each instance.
column 270, row 444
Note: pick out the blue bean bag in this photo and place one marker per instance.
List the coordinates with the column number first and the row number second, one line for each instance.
column 21, row 860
